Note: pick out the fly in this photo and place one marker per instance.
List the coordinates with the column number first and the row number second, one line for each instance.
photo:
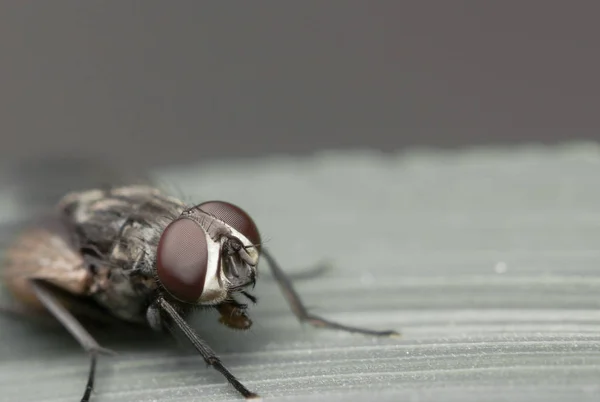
column 142, row 256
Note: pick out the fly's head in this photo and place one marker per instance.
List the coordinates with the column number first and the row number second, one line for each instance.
column 208, row 253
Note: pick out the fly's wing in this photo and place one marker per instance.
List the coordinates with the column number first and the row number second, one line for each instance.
column 35, row 243
column 44, row 252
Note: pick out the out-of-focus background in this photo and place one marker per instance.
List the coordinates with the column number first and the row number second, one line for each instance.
column 160, row 82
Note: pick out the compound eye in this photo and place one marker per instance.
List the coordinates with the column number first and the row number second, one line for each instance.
column 182, row 259
column 234, row 216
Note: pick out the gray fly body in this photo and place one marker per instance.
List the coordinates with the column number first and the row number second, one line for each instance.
column 117, row 232
column 134, row 253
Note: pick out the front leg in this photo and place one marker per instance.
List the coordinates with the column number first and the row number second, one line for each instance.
column 233, row 315
column 207, row 353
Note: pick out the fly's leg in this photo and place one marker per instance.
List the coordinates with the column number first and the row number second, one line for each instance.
column 209, row 356
column 302, row 313
column 89, row 344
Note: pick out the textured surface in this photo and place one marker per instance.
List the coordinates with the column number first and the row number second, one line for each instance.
column 486, row 260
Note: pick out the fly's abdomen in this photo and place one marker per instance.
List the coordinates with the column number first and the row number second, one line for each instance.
column 41, row 253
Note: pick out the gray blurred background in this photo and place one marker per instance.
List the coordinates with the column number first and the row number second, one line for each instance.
column 154, row 83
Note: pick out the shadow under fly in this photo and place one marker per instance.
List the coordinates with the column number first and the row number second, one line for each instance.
column 137, row 254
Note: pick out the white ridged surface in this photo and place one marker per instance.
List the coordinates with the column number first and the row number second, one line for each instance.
column 488, row 261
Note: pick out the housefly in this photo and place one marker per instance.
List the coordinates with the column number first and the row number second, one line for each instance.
column 142, row 256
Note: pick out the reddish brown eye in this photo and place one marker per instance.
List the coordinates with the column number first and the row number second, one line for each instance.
column 233, row 216
column 181, row 260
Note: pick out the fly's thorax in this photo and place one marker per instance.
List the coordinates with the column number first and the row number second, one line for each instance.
column 120, row 225
column 109, row 205
column 117, row 231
